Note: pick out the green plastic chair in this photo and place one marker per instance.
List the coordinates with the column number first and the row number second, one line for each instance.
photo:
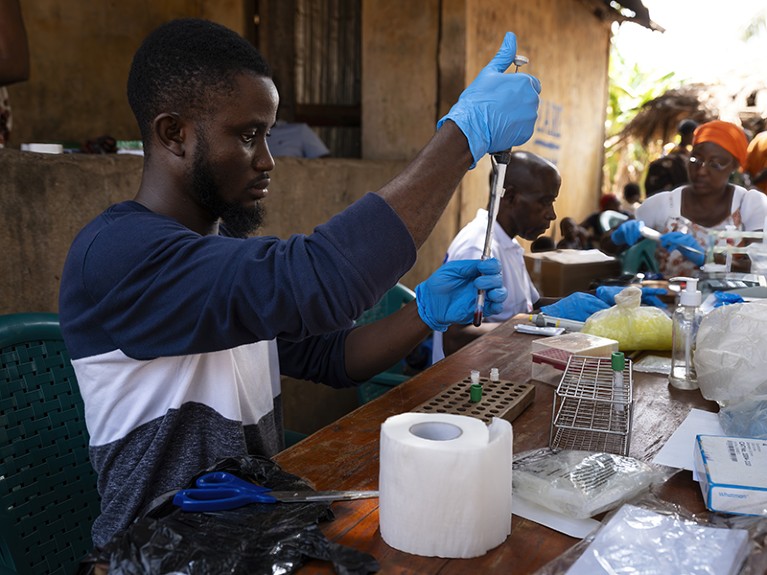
column 392, row 300
column 640, row 258
column 48, row 497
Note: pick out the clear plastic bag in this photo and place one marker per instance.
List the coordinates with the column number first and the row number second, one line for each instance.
column 675, row 549
column 745, row 419
column 579, row 484
column 731, row 353
column 632, row 325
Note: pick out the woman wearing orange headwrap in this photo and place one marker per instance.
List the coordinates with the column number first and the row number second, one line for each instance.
column 756, row 164
column 709, row 202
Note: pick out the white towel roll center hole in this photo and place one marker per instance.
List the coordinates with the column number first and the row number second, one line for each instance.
column 436, row 431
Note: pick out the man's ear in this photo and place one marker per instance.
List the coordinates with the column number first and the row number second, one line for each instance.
column 509, row 193
column 170, row 131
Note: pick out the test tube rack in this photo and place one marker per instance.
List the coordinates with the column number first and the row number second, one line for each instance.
column 501, row 398
column 590, row 412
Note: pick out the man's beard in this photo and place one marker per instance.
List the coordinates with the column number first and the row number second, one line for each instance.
column 238, row 220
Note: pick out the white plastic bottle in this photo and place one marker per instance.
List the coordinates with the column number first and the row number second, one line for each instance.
column 686, row 320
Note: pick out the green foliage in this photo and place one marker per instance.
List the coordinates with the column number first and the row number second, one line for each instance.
column 630, row 87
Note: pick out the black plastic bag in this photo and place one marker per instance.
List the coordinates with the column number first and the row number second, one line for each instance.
column 268, row 538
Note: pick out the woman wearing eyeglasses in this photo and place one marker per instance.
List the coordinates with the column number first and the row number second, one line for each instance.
column 685, row 215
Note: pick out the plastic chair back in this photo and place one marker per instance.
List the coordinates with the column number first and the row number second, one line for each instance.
column 640, row 258
column 48, row 497
column 392, row 301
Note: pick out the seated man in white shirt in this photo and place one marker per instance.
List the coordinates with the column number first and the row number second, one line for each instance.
column 526, row 210
column 297, row 140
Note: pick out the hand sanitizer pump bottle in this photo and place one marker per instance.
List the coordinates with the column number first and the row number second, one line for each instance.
column 686, row 320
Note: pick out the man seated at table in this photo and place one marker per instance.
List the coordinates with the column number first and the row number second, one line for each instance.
column 179, row 324
column 526, row 210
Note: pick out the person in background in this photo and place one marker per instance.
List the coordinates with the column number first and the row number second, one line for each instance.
column 14, row 60
column 687, row 214
column 686, row 131
column 670, row 170
column 632, row 195
column 593, row 225
column 179, row 321
column 526, row 210
column 297, row 140
column 542, row 244
column 756, row 161
column 574, row 237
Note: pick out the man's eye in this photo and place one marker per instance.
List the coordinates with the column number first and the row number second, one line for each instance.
column 248, row 138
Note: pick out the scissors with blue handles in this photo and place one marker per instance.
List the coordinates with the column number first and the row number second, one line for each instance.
column 220, row 490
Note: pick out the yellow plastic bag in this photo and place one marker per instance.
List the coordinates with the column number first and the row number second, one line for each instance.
column 633, row 326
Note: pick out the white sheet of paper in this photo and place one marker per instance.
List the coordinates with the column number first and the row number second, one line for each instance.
column 559, row 522
column 679, row 449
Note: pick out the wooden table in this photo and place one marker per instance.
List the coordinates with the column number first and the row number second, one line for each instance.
column 344, row 455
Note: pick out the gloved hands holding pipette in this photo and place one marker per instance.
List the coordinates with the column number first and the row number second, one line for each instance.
column 449, row 295
column 627, row 233
column 686, row 245
column 497, row 110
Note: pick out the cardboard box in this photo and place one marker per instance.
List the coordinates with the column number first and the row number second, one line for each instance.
column 732, row 472
column 561, row 272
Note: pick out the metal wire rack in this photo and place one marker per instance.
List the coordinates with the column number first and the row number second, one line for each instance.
column 592, row 410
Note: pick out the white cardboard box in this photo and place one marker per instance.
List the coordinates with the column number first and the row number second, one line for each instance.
column 732, row 473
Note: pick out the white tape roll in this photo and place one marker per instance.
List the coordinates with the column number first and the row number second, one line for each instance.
column 445, row 484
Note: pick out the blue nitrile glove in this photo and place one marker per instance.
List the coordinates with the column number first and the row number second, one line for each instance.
column 684, row 244
column 628, row 233
column 449, row 295
column 497, row 110
column 726, row 298
column 578, row 306
column 649, row 295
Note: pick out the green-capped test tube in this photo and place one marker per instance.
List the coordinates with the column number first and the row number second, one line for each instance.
column 475, row 391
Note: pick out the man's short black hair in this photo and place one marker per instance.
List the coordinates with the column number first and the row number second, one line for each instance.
column 632, row 190
column 686, row 127
column 182, row 64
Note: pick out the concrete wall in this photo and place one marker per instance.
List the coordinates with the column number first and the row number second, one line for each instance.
column 80, row 54
column 46, row 199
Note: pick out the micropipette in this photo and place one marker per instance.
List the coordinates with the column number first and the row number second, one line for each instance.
column 500, row 160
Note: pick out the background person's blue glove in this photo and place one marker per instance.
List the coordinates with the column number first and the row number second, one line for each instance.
column 449, row 295
column 726, row 298
column 649, row 295
column 497, row 111
column 578, row 306
column 628, row 233
column 686, row 245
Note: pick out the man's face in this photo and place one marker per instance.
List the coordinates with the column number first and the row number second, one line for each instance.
column 230, row 160
column 531, row 207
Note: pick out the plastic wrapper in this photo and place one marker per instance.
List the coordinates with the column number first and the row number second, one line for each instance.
column 745, row 419
column 262, row 538
column 632, row 325
column 579, row 484
column 650, row 535
column 731, row 353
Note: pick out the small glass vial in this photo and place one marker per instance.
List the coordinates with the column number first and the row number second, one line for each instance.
column 686, row 319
